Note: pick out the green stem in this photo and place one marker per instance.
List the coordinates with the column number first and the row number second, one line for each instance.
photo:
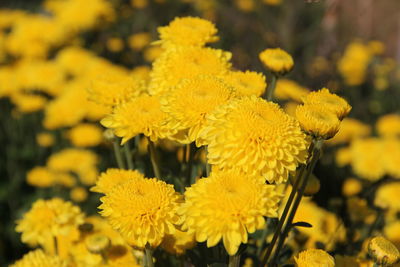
column 148, row 257
column 288, row 205
column 234, row 261
column 309, row 169
column 271, row 88
column 128, row 156
column 153, row 158
column 118, row 154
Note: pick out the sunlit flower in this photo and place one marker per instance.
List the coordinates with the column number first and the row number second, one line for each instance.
column 331, row 102
column 277, row 60
column 85, row 135
column 255, row 137
column 317, row 121
column 185, row 63
column 246, row 83
column 48, row 219
column 190, row 102
column 141, row 115
column 188, row 31
column 113, row 177
column 228, row 205
column 383, row 251
column 314, row 258
column 37, row 258
column 289, row 90
column 142, row 210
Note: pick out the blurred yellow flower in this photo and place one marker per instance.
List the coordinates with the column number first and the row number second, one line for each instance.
column 277, row 60
column 272, row 2
column 391, row 156
column 387, row 197
column 142, row 210
column 289, row 90
column 228, row 205
column 138, row 41
column 392, row 232
column 78, row 194
column 113, row 177
column 246, row 83
column 37, row 258
column 178, row 242
column 85, row 135
column 389, row 125
column 344, row 156
column 115, row 44
column 350, row 129
column 27, row 103
column 152, row 53
column 40, row 177
column 187, row 31
column 314, row 258
column 47, row 219
column 191, row 100
column 256, row 137
column 45, row 139
column 331, row 102
column 351, row 187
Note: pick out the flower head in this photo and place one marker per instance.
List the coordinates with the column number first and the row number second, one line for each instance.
column 40, row 177
column 350, row 129
column 142, row 210
column 85, row 135
column 387, row 197
column 317, row 121
column 141, row 115
column 254, row 136
column 113, row 177
column 37, row 258
column 227, row 205
column 331, row 102
column 389, row 125
column 289, row 90
column 314, row 258
column 246, row 83
column 188, row 31
column 178, row 242
column 48, row 218
column 189, row 103
column 277, row 60
column 383, row 251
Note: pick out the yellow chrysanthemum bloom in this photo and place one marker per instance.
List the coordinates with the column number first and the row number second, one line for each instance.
column 331, row 102
column 289, row 90
column 114, row 89
column 85, row 135
column 48, row 219
column 317, row 121
column 387, row 197
column 367, row 159
column 277, row 60
column 383, row 251
column 37, row 258
column 389, row 125
column 228, row 205
column 188, row 31
column 142, row 210
column 391, row 156
column 178, row 242
column 141, row 115
column 256, row 137
column 246, row 83
column 314, row 258
column 113, row 177
column 350, row 129
column 40, row 177
column 190, row 102
column 186, row 63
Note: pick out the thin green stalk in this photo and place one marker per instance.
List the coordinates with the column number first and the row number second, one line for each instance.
column 309, row 169
column 271, row 88
column 299, row 174
column 153, row 158
column 118, row 154
column 148, row 262
column 234, row 261
column 128, row 155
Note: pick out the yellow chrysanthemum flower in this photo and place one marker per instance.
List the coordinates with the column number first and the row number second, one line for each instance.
column 37, row 258
column 178, row 242
column 389, row 125
column 314, row 258
column 113, row 177
column 142, row 210
column 228, row 205
column 350, row 129
column 141, row 115
column 391, row 156
column 317, row 121
column 256, row 137
column 85, row 135
column 185, row 63
column 289, row 90
column 48, row 219
column 331, row 102
column 277, row 60
column 387, row 197
column 40, row 177
column 188, row 31
column 246, row 83
column 189, row 103
column 383, row 251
